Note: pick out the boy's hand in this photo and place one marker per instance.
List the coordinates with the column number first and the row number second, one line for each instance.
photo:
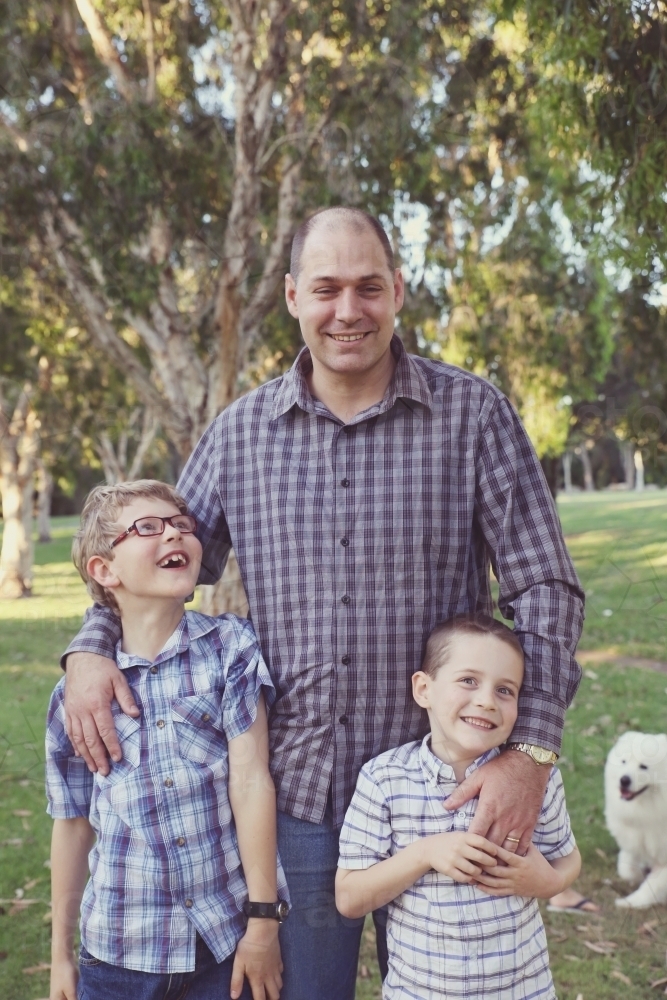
column 64, row 979
column 461, row 856
column 258, row 958
column 531, row 875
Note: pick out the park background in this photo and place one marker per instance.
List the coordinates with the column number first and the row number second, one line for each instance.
column 155, row 159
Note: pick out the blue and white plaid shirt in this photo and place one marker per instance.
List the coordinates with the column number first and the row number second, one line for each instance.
column 447, row 938
column 166, row 863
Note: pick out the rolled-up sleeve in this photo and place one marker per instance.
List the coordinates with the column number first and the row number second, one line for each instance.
column 99, row 634
column 539, row 589
column 246, row 677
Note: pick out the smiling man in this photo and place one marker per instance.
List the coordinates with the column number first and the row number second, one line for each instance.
column 365, row 493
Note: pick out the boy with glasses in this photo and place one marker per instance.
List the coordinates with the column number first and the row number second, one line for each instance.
column 180, row 836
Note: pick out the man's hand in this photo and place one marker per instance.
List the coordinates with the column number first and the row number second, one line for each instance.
column 511, row 792
column 258, row 959
column 461, row 856
column 531, row 875
column 92, row 684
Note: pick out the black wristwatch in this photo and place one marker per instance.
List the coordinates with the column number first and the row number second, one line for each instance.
column 271, row 911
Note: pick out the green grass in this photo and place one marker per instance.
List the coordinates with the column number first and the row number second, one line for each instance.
column 618, row 543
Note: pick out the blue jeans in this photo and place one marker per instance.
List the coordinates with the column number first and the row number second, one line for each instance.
column 209, row 981
column 320, row 949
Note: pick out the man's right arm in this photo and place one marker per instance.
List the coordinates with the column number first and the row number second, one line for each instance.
column 93, row 679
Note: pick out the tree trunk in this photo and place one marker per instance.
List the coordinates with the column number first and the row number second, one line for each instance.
column 639, row 471
column 589, row 483
column 628, row 456
column 44, row 494
column 226, row 595
column 567, row 471
column 550, row 469
column 18, row 458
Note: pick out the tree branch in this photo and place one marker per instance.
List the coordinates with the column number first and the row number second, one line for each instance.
column 105, row 50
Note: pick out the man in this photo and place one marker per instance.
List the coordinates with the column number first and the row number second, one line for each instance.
column 364, row 493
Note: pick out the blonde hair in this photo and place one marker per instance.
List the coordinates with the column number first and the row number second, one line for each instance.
column 98, row 527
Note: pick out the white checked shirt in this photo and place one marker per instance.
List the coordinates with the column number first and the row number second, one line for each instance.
column 166, row 863
column 446, row 938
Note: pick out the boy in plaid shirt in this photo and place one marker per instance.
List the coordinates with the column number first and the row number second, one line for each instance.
column 463, row 917
column 180, row 836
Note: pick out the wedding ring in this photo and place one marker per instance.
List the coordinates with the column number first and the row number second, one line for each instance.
column 515, row 840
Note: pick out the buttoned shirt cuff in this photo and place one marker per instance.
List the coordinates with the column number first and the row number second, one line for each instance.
column 540, row 721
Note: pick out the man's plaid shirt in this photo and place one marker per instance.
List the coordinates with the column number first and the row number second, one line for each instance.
column 447, row 938
column 166, row 864
column 354, row 540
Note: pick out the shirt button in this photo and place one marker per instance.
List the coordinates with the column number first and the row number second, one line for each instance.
column 180, row 841
column 345, row 542
column 188, row 903
column 343, row 720
column 346, row 598
column 206, row 717
column 461, row 815
column 348, row 429
column 168, row 783
column 153, row 670
column 346, row 659
column 160, row 723
column 345, row 482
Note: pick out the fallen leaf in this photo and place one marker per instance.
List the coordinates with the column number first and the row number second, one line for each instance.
column 363, row 972
column 31, row 884
column 22, row 812
column 19, row 905
column 34, row 969
column 48, row 917
column 658, row 982
column 619, row 975
column 586, row 928
column 14, row 842
column 600, row 853
column 601, row 947
column 649, row 928
column 572, row 958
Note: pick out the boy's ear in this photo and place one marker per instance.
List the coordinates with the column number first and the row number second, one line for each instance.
column 101, row 571
column 420, row 688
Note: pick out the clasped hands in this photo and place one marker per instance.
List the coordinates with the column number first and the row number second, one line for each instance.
column 467, row 857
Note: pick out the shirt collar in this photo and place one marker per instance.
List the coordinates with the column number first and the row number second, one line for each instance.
column 436, row 770
column 192, row 625
column 408, row 382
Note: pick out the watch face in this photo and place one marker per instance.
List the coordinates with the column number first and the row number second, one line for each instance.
column 282, row 909
column 541, row 755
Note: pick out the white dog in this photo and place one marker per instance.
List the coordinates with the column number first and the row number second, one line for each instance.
column 636, row 814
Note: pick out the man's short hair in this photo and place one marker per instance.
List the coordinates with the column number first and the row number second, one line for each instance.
column 440, row 639
column 98, row 527
column 355, row 217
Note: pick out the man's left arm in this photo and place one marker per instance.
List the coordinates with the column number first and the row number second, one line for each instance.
column 540, row 592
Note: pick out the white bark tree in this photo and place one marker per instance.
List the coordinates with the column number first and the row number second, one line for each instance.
column 19, row 452
column 44, row 496
column 141, row 429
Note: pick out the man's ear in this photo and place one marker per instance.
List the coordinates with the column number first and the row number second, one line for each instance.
column 399, row 289
column 421, row 683
column 290, row 296
column 101, row 571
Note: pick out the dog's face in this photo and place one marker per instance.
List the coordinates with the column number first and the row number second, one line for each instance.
column 636, row 763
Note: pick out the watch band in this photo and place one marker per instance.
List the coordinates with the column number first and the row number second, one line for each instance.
column 537, row 753
column 267, row 911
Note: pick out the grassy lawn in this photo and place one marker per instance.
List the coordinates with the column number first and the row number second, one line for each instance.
column 618, row 543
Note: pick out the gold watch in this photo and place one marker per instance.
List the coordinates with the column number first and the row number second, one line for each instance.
column 539, row 754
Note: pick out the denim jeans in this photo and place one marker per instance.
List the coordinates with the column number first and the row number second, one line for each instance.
column 320, row 949
column 209, row 981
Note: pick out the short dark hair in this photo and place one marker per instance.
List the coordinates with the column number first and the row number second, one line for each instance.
column 439, row 641
column 355, row 216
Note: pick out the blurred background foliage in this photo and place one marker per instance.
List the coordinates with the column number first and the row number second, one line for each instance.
column 155, row 158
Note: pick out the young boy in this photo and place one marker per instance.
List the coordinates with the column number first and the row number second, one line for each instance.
column 463, row 918
column 180, row 836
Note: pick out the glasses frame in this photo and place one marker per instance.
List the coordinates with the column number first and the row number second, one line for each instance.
column 154, row 534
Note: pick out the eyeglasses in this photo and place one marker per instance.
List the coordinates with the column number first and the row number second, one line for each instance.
column 147, row 526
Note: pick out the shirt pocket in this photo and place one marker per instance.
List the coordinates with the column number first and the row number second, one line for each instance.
column 199, row 728
column 128, row 731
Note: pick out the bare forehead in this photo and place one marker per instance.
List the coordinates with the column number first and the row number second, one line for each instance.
column 340, row 246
